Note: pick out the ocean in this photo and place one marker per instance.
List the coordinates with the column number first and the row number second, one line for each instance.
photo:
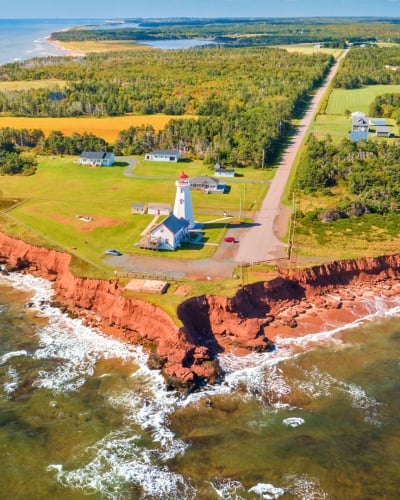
column 81, row 414
column 22, row 39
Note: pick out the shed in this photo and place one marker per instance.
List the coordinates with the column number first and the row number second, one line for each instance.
column 138, row 208
column 167, row 155
column 220, row 171
column 382, row 131
column 159, row 208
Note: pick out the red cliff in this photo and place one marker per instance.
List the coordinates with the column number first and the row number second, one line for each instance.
column 257, row 313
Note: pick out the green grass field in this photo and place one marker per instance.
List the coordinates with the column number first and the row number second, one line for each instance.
column 357, row 99
column 63, row 190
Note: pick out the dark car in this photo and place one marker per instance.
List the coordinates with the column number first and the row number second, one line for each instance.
column 111, row 251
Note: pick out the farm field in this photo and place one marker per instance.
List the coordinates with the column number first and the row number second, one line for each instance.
column 105, row 127
column 309, row 48
column 334, row 121
column 63, row 190
column 357, row 99
column 31, row 84
column 86, row 47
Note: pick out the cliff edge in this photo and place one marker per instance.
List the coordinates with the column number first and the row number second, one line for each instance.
column 249, row 321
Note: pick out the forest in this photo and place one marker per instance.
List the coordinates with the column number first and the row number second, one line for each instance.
column 335, row 32
column 369, row 65
column 386, row 106
column 367, row 172
column 242, row 100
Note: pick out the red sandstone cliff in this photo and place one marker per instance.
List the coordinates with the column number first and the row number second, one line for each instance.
column 211, row 324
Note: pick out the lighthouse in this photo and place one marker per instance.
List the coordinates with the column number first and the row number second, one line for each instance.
column 183, row 202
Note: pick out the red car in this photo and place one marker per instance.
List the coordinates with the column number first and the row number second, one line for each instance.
column 229, row 239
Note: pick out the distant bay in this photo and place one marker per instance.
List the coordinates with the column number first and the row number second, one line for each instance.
column 22, row 39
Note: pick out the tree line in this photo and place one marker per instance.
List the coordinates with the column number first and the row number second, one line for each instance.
column 369, row 66
column 243, row 100
column 369, row 172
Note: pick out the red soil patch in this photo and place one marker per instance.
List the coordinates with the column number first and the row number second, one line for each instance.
column 86, row 226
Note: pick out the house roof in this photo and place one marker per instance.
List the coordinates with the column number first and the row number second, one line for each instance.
column 358, row 135
column 377, row 121
column 359, row 120
column 159, row 205
column 173, row 224
column 138, row 205
column 204, row 180
column 96, row 155
column 183, row 175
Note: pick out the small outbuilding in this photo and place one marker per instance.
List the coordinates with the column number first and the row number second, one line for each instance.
column 138, row 208
column 167, row 155
column 97, row 158
column 220, row 171
column 382, row 131
column 159, row 208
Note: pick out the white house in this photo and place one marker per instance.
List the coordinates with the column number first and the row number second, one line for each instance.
column 169, row 234
column 97, row 158
column 168, row 155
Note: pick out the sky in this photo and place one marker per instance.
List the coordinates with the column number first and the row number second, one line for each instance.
column 197, row 8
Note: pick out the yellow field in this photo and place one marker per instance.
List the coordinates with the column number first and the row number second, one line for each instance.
column 31, row 84
column 84, row 47
column 107, row 127
column 304, row 48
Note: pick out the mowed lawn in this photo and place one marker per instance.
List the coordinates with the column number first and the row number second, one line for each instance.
column 63, row 191
column 105, row 127
column 341, row 100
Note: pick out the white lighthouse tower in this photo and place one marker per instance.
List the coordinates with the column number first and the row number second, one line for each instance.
column 183, row 201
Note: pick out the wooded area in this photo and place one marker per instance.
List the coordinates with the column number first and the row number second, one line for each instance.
column 242, row 100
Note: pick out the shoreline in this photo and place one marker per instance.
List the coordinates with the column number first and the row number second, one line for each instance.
column 58, row 45
column 291, row 307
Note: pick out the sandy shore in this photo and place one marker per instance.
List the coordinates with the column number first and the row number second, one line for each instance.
column 66, row 52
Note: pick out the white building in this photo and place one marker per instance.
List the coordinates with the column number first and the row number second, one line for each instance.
column 97, row 158
column 169, row 234
column 167, row 155
column 183, row 208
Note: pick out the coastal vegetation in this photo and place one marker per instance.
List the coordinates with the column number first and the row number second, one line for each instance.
column 242, row 100
column 347, row 194
column 247, row 31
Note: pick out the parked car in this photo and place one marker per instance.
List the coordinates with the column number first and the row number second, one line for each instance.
column 229, row 239
column 112, row 251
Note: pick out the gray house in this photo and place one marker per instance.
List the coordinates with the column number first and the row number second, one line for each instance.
column 97, row 158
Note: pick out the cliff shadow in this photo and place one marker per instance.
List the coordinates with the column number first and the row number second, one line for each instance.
column 194, row 314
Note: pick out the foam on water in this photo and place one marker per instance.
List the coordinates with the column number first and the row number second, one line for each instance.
column 321, row 384
column 293, row 422
column 304, row 487
column 267, row 491
column 12, row 381
column 117, row 458
column 10, row 355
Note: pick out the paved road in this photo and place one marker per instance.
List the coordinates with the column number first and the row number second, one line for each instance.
column 260, row 243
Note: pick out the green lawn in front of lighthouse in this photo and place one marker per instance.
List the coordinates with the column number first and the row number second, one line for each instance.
column 84, row 210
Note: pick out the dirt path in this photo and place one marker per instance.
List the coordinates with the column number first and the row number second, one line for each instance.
column 260, row 242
